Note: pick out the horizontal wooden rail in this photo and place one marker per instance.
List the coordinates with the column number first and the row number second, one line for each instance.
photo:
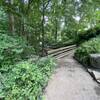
column 61, row 49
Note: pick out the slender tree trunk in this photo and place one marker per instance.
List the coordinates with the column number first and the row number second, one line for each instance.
column 22, row 27
column 56, row 30
column 11, row 20
column 43, row 32
column 22, row 10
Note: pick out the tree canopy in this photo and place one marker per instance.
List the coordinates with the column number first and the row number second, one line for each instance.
column 46, row 21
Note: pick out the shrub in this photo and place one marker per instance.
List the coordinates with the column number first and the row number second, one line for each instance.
column 11, row 49
column 91, row 46
column 84, row 36
column 21, row 78
column 3, row 21
column 26, row 80
column 62, row 44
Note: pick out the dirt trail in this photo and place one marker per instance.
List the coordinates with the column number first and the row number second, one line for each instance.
column 71, row 82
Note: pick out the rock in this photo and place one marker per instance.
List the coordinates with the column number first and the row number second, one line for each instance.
column 95, row 60
column 97, row 75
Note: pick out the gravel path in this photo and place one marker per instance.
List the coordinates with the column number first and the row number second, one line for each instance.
column 71, row 82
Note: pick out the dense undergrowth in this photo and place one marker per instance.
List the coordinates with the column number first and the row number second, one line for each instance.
column 10, row 49
column 89, row 43
column 89, row 47
column 62, row 44
column 21, row 78
column 25, row 80
column 86, row 35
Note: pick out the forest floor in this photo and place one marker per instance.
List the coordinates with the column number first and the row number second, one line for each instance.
column 71, row 82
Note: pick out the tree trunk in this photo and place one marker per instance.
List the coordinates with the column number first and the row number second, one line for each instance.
column 43, row 32
column 56, row 30
column 11, row 20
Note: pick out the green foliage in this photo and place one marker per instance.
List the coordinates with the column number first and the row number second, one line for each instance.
column 62, row 44
column 3, row 21
column 20, row 78
column 62, row 19
column 26, row 80
column 89, row 47
column 10, row 49
column 84, row 36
